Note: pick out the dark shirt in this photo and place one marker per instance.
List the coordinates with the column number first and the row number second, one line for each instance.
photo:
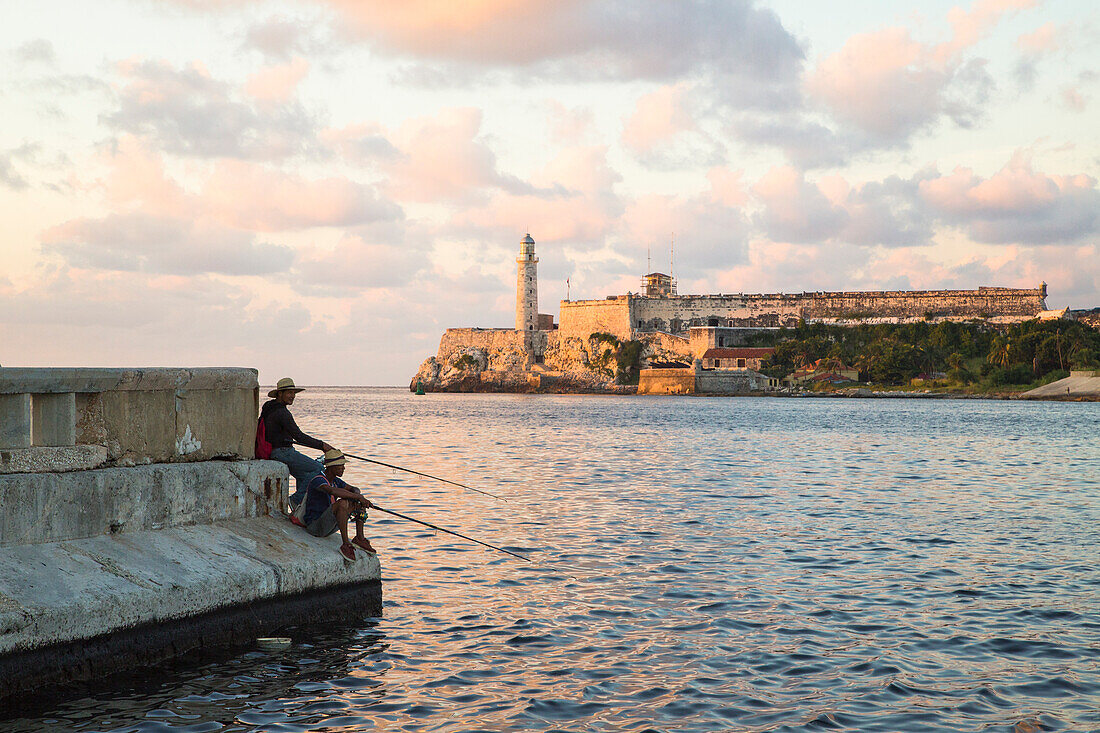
column 280, row 429
column 317, row 501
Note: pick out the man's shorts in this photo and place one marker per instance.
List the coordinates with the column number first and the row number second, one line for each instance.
column 323, row 525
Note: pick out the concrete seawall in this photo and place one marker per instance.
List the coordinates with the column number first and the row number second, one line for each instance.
column 110, row 568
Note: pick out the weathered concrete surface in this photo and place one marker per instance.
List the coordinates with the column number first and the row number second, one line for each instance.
column 140, row 415
column 49, row 507
column 51, row 459
column 43, row 380
column 15, row 421
column 1079, row 384
column 53, row 421
column 55, row 597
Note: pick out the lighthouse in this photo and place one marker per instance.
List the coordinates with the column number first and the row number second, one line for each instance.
column 527, row 286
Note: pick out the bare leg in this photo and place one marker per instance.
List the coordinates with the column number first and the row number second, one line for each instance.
column 341, row 509
column 361, row 540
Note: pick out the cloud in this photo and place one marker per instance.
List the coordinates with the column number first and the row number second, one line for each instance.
column 281, row 39
column 886, row 213
column 276, row 84
column 1043, row 40
column 165, row 245
column 889, row 86
column 9, row 174
column 658, row 117
column 357, row 264
column 239, row 194
column 570, row 126
column 1016, row 204
column 662, row 131
column 38, row 51
column 795, row 210
column 188, row 112
column 743, row 49
column 1073, row 99
column 260, row 198
column 442, row 159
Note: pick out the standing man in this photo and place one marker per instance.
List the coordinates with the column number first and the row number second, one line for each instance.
column 282, row 432
column 330, row 502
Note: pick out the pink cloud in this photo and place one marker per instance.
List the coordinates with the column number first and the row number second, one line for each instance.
column 576, row 220
column 441, row 158
column 237, row 194
column 727, row 186
column 658, row 117
column 277, row 83
column 579, row 168
column 1016, row 204
column 891, row 86
column 260, row 198
column 969, row 27
column 1073, row 99
column 1044, row 39
column 795, row 210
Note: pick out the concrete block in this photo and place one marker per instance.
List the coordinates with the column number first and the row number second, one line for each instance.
column 140, row 426
column 57, row 459
column 90, row 427
column 51, row 507
column 16, row 380
column 53, row 419
column 215, row 423
column 15, row 421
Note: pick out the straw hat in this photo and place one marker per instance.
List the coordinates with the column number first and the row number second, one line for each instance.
column 334, row 457
column 284, row 383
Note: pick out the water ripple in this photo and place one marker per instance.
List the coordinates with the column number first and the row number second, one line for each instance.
column 700, row 565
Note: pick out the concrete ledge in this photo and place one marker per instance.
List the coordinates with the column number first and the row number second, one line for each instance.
column 41, row 380
column 51, row 507
column 55, row 459
column 69, row 592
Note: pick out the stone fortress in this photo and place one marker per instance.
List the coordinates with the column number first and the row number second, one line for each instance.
column 537, row 354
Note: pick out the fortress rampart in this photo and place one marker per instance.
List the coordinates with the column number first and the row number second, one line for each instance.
column 626, row 315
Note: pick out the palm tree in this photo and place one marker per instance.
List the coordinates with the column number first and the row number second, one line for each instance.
column 1000, row 352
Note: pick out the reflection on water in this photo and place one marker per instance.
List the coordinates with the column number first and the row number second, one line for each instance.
column 701, row 565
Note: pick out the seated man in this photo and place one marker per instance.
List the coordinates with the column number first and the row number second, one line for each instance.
column 330, row 502
column 282, row 433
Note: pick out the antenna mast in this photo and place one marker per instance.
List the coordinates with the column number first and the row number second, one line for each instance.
column 671, row 251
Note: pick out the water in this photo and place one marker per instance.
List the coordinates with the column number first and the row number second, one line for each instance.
column 700, row 565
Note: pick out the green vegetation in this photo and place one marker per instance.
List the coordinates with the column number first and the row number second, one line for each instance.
column 465, row 362
column 974, row 355
column 622, row 360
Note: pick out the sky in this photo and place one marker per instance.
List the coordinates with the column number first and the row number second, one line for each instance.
column 319, row 189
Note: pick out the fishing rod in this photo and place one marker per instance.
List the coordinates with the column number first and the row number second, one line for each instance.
column 448, row 531
column 425, row 475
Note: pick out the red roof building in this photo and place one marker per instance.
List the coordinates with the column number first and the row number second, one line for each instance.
column 737, row 358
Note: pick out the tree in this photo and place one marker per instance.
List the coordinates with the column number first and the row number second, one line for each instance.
column 1000, row 353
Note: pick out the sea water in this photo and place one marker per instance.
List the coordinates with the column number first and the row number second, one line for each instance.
column 698, row 564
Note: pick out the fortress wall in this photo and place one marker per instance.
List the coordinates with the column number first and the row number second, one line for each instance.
column 583, row 317
column 486, row 339
column 681, row 312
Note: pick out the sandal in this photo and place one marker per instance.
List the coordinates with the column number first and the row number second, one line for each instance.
column 365, row 545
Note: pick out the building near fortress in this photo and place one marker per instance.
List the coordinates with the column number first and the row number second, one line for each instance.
column 688, row 325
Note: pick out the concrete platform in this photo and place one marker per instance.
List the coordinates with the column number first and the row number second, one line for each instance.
column 117, row 568
column 78, row 609
column 1078, row 385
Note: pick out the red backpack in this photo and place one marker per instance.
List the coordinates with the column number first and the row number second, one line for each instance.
column 263, row 448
